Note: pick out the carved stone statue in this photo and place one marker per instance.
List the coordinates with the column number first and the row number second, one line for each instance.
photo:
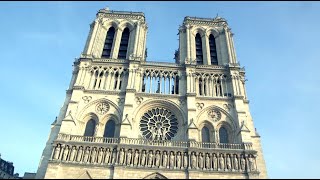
column 150, row 161
column 57, row 152
column 79, row 155
column 200, row 161
column 100, row 155
column 114, row 156
column 121, row 156
column 251, row 163
column 136, row 158
column 208, row 161
column 221, row 162
column 72, row 154
column 158, row 158
column 129, row 154
column 172, row 160
column 65, row 153
column 215, row 162
column 179, row 160
column 236, row 166
column 185, row 160
column 86, row 155
column 143, row 158
column 243, row 163
column 165, row 160
column 228, row 162
column 93, row 155
column 107, row 157
column 193, row 161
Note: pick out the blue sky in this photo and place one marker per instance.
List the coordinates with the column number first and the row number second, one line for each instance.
column 277, row 42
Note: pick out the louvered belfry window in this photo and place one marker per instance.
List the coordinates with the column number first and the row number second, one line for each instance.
column 106, row 53
column 199, row 54
column 213, row 50
column 124, row 44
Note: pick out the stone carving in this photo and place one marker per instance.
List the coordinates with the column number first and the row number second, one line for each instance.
column 102, row 108
column 143, row 158
column 185, row 160
column 228, row 162
column 86, row 99
column 100, row 154
column 221, row 162
column 65, row 153
column 165, row 160
column 199, row 105
column 243, row 163
column 121, row 156
column 172, row 160
column 215, row 162
column 235, row 163
column 79, row 155
column 157, row 159
column 214, row 114
column 158, row 124
column 120, row 101
column 107, row 157
column 200, row 161
column 150, row 160
column 227, row 107
column 139, row 100
column 86, row 155
column 57, row 152
column 136, row 158
column 207, row 161
column 179, row 160
column 93, row 155
column 251, row 163
column 193, row 161
column 114, row 156
column 129, row 154
column 72, row 154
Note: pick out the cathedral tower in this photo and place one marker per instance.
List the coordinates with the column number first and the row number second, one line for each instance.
column 125, row 117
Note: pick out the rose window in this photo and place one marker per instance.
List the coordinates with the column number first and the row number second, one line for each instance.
column 158, row 124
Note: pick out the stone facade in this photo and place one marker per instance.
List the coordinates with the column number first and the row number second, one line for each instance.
column 125, row 117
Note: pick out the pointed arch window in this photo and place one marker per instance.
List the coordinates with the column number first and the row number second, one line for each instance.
column 106, row 53
column 213, row 50
column 109, row 129
column 199, row 53
column 124, row 44
column 223, row 135
column 205, row 134
column 90, row 128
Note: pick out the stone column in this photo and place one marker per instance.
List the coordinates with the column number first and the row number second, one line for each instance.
column 116, row 43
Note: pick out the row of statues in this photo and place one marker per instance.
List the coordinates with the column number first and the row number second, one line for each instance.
column 155, row 158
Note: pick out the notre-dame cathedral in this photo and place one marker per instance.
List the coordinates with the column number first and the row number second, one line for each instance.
column 125, row 117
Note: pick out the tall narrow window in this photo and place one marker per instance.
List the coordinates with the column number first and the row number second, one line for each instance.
column 213, row 50
column 109, row 129
column 205, row 134
column 199, row 54
column 90, row 128
column 124, row 44
column 108, row 43
column 223, row 135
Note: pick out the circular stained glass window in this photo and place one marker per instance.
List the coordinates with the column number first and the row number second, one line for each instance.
column 158, row 124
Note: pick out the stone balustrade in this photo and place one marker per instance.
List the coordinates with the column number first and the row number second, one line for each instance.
column 141, row 153
column 146, row 142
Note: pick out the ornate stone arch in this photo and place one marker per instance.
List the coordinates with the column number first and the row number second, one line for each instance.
column 211, row 128
column 89, row 107
column 105, row 119
column 155, row 175
column 128, row 24
column 212, row 31
column 199, row 30
column 160, row 103
column 89, row 116
column 106, row 24
column 230, row 131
